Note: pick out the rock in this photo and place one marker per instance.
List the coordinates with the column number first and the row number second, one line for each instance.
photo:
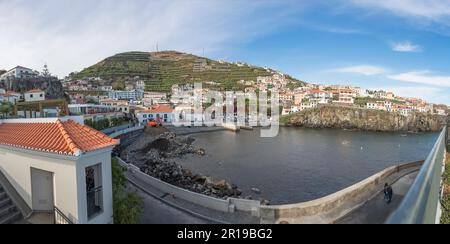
column 209, row 181
column 256, row 190
column 265, row 202
column 200, row 179
column 201, row 152
column 221, row 185
column 340, row 117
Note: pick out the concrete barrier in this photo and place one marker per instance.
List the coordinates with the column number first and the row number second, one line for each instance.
column 126, row 131
column 330, row 208
column 231, row 126
column 229, row 205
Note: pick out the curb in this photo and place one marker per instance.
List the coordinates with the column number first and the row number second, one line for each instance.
column 194, row 214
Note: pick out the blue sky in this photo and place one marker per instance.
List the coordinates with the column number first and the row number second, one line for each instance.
column 400, row 45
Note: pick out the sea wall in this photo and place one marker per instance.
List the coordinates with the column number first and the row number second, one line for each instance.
column 330, row 116
column 335, row 206
column 229, row 205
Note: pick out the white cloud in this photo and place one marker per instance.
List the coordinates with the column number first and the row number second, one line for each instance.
column 422, row 77
column 71, row 35
column 406, row 47
column 361, row 69
column 436, row 10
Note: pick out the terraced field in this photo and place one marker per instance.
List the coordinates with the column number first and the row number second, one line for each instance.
column 161, row 70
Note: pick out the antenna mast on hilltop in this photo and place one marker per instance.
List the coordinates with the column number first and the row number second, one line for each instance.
column 157, row 47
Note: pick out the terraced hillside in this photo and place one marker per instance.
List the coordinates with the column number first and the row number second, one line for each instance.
column 161, row 70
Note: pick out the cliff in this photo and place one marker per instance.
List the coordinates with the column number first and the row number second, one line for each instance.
column 364, row 119
column 51, row 85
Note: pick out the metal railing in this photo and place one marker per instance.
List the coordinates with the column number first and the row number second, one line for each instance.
column 94, row 202
column 60, row 218
column 422, row 202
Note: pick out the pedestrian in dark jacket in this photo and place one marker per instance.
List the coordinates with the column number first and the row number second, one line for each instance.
column 388, row 193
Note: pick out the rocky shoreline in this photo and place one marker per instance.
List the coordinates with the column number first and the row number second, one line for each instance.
column 156, row 156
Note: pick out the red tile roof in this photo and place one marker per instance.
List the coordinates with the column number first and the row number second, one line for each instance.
column 67, row 137
column 34, row 91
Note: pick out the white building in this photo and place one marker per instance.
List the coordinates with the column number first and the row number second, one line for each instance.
column 126, row 95
column 34, row 95
column 158, row 112
column 11, row 97
column 59, row 166
column 118, row 105
column 405, row 111
column 19, row 72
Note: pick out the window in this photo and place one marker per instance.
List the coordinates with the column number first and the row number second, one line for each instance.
column 41, row 95
column 145, row 116
column 94, row 190
column 31, row 95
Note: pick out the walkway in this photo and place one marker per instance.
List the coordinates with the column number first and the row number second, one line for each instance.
column 376, row 211
column 193, row 129
column 160, row 208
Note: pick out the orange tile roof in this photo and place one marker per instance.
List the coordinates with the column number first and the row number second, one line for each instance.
column 66, row 137
column 159, row 109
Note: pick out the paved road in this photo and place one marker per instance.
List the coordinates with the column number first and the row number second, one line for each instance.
column 157, row 212
column 376, row 211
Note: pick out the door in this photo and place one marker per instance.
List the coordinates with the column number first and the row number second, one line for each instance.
column 42, row 190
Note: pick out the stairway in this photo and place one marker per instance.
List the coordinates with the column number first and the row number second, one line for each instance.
column 9, row 214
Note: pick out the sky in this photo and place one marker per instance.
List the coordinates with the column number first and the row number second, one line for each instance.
column 400, row 45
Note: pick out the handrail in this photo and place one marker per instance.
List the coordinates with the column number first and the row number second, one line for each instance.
column 60, row 218
column 421, row 203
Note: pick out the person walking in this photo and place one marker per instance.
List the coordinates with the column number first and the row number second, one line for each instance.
column 388, row 193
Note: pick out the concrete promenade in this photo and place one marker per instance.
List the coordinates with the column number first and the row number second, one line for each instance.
column 160, row 207
column 377, row 211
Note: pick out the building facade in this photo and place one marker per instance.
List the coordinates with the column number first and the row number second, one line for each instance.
column 59, row 164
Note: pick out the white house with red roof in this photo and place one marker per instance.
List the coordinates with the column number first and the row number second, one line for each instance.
column 157, row 112
column 59, row 166
column 34, row 95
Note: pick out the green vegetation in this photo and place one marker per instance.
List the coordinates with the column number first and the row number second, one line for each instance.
column 127, row 207
column 6, row 108
column 105, row 123
column 161, row 70
column 445, row 219
column 362, row 101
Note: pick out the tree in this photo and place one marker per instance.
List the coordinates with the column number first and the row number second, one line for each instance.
column 46, row 72
column 127, row 206
column 6, row 108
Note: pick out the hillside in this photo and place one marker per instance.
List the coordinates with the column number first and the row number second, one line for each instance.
column 364, row 119
column 161, row 70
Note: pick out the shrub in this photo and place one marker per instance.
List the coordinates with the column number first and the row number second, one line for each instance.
column 127, row 206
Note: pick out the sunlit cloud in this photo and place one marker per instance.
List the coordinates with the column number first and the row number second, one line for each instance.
column 406, row 47
column 361, row 69
column 422, row 77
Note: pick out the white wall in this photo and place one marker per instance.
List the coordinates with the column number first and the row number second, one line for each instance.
column 16, row 164
column 69, row 179
column 36, row 96
column 102, row 157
